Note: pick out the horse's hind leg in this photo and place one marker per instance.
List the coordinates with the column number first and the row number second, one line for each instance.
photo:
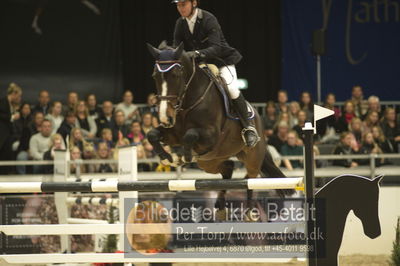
column 226, row 170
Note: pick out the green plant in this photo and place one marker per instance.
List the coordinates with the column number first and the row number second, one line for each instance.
column 111, row 241
column 395, row 258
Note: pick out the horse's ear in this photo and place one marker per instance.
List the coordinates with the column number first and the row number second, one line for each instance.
column 153, row 51
column 378, row 179
column 163, row 45
column 178, row 51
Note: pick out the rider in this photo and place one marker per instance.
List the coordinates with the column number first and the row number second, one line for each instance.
column 202, row 36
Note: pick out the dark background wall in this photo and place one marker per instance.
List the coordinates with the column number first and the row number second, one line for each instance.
column 106, row 53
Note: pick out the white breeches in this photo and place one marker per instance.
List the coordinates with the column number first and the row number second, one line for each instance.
column 230, row 76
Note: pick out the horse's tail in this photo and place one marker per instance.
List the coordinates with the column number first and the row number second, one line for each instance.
column 269, row 169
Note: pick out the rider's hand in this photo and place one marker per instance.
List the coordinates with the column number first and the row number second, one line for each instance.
column 195, row 54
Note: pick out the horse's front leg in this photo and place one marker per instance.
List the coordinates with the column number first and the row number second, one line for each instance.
column 154, row 137
column 189, row 140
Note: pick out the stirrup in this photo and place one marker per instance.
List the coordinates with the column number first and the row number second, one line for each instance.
column 252, row 129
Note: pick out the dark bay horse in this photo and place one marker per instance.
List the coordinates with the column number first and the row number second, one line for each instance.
column 334, row 201
column 191, row 111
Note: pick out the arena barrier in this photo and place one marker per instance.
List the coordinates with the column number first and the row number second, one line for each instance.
column 125, row 187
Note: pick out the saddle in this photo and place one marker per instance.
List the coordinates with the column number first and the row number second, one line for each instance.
column 213, row 73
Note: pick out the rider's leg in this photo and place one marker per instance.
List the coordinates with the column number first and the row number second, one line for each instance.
column 249, row 133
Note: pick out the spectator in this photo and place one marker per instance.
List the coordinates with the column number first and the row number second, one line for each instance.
column 346, row 117
column 76, row 138
column 330, row 102
column 282, row 105
column 141, row 154
column 107, row 137
column 106, row 118
column 67, row 125
column 55, row 115
column 291, row 148
column 85, row 122
column 280, row 137
column 43, row 104
column 373, row 105
column 19, row 125
column 136, row 135
column 119, row 126
column 147, row 123
column 151, row 106
column 307, row 104
column 294, row 108
column 123, row 142
column 385, row 145
column 8, row 114
column 130, row 110
column 72, row 101
column 91, row 103
column 76, row 167
column 357, row 128
column 104, row 153
column 301, row 118
column 269, row 119
column 371, row 120
column 369, row 146
column 39, row 144
column 357, row 97
column 56, row 143
column 283, row 117
column 390, row 127
column 23, row 148
column 347, row 146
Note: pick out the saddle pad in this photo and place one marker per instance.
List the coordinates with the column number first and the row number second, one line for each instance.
column 220, row 82
column 214, row 69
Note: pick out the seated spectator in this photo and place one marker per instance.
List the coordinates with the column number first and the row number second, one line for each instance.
column 357, row 128
column 330, row 102
column 106, row 118
column 141, row 154
column 104, row 153
column 301, row 122
column 88, row 153
column 357, row 97
column 347, row 146
column 23, row 148
column 269, row 119
column 123, row 142
column 72, row 101
column 369, row 146
column 291, row 148
column 294, row 108
column 385, row 145
column 283, row 117
column 56, row 143
column 76, row 138
column 43, row 104
column 39, row 144
column 85, row 122
column 130, row 110
column 280, row 137
column 282, row 105
column 371, row 120
column 373, row 105
column 107, row 137
column 67, row 125
column 151, row 106
column 76, row 167
column 24, row 120
column 390, row 127
column 307, row 104
column 136, row 135
column 346, row 117
column 55, row 115
column 147, row 123
column 91, row 103
column 118, row 125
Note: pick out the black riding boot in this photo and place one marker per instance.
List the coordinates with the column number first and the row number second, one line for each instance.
column 249, row 133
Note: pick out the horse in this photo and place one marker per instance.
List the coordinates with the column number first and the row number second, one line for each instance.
column 334, row 201
column 191, row 111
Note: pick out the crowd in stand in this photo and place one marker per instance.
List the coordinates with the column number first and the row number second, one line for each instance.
column 93, row 132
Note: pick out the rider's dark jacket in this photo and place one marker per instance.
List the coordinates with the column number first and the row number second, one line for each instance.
column 207, row 38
